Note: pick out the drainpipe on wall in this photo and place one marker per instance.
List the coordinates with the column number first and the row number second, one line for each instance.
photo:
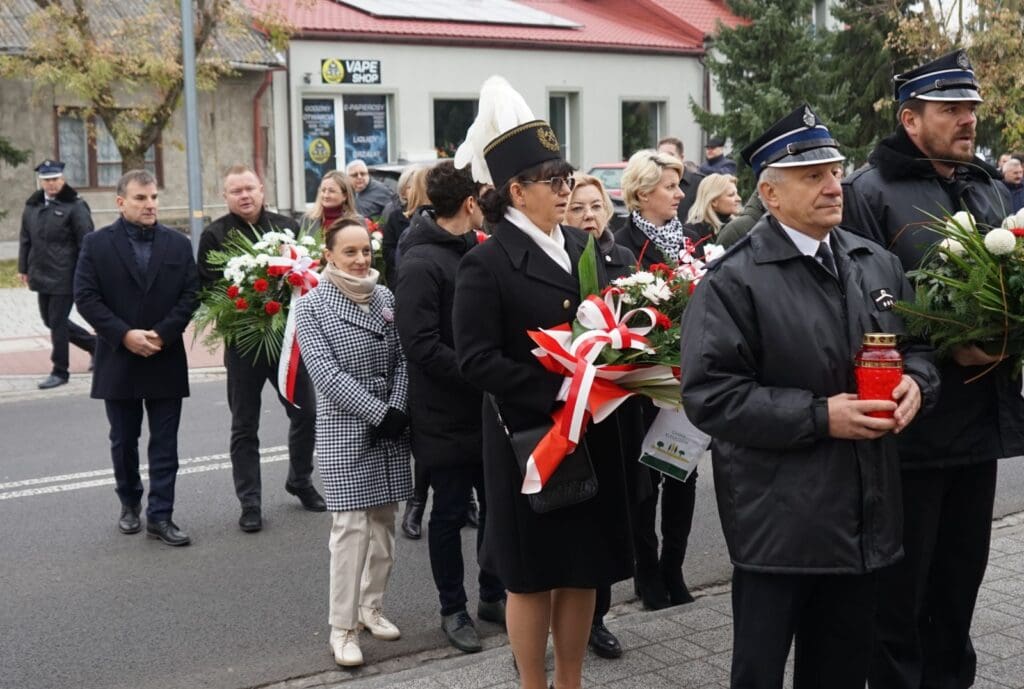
column 259, row 160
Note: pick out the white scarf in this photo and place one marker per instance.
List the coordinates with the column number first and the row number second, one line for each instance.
column 553, row 245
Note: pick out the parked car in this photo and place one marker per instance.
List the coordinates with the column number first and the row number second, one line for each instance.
column 610, row 175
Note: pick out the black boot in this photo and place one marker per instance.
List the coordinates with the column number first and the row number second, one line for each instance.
column 413, row 519
column 675, row 584
column 651, row 589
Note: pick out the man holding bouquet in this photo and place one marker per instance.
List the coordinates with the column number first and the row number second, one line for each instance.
column 927, row 170
column 807, row 482
column 243, row 193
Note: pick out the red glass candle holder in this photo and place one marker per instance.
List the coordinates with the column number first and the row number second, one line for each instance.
column 878, row 369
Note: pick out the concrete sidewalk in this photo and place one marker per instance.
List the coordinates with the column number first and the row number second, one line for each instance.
column 25, row 347
column 691, row 646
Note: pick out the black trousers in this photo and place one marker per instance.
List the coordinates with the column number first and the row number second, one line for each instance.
column 125, row 418
column 829, row 616
column 678, row 499
column 54, row 310
column 926, row 601
column 245, row 388
column 453, row 487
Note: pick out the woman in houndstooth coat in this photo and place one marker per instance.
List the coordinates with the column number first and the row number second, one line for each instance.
column 349, row 344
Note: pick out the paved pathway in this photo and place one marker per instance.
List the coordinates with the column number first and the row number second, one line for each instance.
column 691, row 646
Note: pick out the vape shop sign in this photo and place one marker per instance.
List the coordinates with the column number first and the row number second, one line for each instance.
column 340, row 71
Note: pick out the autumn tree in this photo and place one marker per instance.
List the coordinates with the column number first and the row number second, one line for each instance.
column 990, row 30
column 12, row 156
column 123, row 60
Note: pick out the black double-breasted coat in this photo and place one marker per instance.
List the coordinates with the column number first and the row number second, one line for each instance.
column 504, row 287
column 115, row 296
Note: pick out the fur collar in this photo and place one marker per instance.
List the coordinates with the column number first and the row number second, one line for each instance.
column 896, row 158
column 66, row 195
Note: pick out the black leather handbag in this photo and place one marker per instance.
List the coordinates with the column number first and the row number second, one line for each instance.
column 573, row 482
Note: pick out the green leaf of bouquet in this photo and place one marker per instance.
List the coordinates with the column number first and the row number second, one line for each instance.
column 587, row 270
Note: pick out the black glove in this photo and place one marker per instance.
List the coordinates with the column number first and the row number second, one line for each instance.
column 393, row 425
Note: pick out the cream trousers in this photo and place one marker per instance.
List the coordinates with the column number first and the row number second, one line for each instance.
column 362, row 552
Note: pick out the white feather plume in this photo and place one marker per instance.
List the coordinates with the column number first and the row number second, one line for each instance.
column 501, row 108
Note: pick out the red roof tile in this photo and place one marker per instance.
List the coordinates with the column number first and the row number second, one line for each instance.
column 662, row 26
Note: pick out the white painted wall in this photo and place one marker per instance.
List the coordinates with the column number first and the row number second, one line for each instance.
column 415, row 75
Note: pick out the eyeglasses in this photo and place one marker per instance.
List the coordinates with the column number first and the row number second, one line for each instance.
column 555, row 182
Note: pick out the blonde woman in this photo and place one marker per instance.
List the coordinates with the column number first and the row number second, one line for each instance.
column 334, row 199
column 650, row 186
column 398, row 222
column 718, row 201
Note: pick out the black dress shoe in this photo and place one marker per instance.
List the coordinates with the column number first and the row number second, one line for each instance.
column 251, row 519
column 168, row 532
column 678, row 593
column 604, row 642
column 308, row 496
column 461, row 632
column 412, row 520
column 492, row 611
column 129, row 522
column 473, row 514
column 52, row 381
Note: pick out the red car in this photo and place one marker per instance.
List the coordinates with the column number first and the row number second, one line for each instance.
column 610, row 175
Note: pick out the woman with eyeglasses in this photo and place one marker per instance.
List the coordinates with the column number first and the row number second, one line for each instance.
column 524, row 278
column 650, row 186
column 335, row 199
column 590, row 209
column 718, row 201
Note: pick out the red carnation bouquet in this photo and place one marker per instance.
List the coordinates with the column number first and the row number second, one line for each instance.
column 249, row 307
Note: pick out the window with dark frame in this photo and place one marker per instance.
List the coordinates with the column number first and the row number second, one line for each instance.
column 641, row 125
column 93, row 162
column 452, row 118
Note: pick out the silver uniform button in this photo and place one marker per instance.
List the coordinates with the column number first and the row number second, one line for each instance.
column 566, row 304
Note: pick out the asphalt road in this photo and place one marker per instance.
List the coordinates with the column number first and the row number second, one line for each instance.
column 83, row 606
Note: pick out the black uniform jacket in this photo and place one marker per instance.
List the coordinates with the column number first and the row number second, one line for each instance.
column 51, row 237
column 445, row 409
column 888, row 201
column 769, row 335
column 216, row 232
column 114, row 296
column 504, row 287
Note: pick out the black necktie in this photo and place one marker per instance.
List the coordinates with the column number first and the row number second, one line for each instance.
column 825, row 258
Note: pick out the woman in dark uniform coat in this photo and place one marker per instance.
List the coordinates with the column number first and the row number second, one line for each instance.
column 525, row 277
column 650, row 185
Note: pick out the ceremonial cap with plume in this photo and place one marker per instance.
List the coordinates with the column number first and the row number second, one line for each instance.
column 505, row 138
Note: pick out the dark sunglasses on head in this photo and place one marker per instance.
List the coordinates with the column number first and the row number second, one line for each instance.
column 555, row 182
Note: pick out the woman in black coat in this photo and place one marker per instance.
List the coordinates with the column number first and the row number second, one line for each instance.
column 590, row 209
column 523, row 278
column 718, row 201
column 650, row 185
column 445, row 408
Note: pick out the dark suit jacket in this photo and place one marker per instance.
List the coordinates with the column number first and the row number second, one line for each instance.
column 115, row 297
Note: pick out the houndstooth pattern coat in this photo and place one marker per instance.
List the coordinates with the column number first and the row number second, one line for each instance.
column 356, row 364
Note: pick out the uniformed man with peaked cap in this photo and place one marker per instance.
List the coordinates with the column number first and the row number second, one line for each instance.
column 53, row 225
column 926, row 169
column 807, row 483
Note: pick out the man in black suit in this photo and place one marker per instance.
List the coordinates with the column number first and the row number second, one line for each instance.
column 136, row 284
column 247, row 215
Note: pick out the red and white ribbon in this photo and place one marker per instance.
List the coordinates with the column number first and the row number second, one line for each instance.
column 594, row 390
column 300, row 271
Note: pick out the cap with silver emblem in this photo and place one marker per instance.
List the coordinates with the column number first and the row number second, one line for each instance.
column 948, row 78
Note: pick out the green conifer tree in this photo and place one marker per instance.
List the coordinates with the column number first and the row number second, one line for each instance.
column 767, row 67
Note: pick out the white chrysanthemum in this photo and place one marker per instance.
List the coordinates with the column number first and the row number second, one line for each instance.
column 951, row 246
column 375, row 243
column 643, row 278
column 1020, row 217
column 301, row 251
column 961, row 219
column 627, row 298
column 712, row 251
column 1000, row 242
column 262, row 260
column 308, row 240
column 657, row 292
